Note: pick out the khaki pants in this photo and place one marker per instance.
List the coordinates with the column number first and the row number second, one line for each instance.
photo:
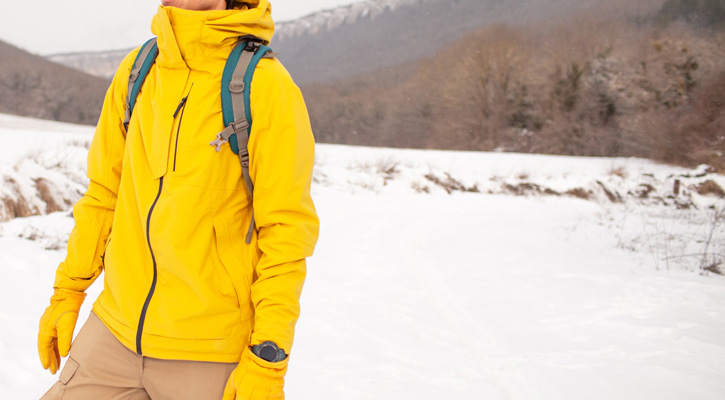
column 100, row 367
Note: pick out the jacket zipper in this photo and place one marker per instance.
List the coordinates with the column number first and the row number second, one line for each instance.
column 181, row 107
column 153, row 282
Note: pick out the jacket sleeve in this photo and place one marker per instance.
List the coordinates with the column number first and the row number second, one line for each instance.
column 93, row 213
column 281, row 148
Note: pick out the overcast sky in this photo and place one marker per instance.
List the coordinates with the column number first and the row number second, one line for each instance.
column 53, row 26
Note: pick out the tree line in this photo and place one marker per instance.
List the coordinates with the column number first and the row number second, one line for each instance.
column 619, row 80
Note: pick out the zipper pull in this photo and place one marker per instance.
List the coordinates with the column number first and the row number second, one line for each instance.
column 183, row 101
column 178, row 108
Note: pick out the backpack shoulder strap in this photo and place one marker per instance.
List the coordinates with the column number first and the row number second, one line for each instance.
column 141, row 67
column 236, row 85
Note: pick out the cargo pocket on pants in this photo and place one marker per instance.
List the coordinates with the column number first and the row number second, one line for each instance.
column 71, row 366
column 58, row 390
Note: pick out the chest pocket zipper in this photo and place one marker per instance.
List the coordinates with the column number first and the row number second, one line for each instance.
column 180, row 108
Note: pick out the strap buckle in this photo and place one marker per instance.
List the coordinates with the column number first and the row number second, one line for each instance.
column 233, row 128
column 219, row 141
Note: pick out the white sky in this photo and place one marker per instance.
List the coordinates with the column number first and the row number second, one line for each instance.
column 52, row 26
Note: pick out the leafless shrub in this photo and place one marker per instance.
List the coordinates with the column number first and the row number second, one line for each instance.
column 713, row 253
column 688, row 239
column 692, row 134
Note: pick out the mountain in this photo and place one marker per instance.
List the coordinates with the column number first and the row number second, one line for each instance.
column 379, row 34
column 370, row 35
column 33, row 86
column 98, row 63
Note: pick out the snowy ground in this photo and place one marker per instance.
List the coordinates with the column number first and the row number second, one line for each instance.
column 510, row 287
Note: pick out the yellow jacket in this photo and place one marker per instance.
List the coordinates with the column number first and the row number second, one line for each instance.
column 165, row 215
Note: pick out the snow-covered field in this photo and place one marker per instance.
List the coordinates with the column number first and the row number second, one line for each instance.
column 536, row 277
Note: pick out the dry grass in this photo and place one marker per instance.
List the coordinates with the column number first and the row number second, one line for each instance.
column 528, row 188
column 710, row 187
column 579, row 193
column 619, row 171
column 43, row 186
column 450, row 184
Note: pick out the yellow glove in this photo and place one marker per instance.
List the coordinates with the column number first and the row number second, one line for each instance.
column 56, row 327
column 256, row 379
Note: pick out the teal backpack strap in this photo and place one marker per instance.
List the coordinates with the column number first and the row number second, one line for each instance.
column 236, row 83
column 141, row 67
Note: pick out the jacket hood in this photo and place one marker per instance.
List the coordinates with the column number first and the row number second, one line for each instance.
column 186, row 35
column 194, row 41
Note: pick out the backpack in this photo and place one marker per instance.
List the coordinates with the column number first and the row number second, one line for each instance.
column 236, row 82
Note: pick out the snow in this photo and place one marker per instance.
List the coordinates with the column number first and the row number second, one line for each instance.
column 423, row 294
column 329, row 19
column 41, row 159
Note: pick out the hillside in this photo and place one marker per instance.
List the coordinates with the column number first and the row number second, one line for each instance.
column 370, row 35
column 591, row 78
column 373, row 39
column 32, row 86
column 501, row 293
column 605, row 81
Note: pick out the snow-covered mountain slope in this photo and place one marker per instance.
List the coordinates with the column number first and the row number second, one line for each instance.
column 366, row 36
column 335, row 17
column 510, row 292
column 102, row 63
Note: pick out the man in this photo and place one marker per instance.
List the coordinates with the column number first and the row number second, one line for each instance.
column 188, row 309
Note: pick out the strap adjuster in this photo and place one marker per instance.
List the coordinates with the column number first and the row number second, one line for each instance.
column 127, row 113
column 236, row 86
column 240, row 125
column 244, row 157
column 252, row 46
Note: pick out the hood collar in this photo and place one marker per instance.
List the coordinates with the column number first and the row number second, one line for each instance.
column 186, row 36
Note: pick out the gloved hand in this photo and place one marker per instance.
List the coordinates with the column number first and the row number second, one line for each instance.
column 56, row 327
column 256, row 379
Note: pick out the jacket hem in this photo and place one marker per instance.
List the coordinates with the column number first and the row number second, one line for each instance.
column 228, row 350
